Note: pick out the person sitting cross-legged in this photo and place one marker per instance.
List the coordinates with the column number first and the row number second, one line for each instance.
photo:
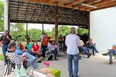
column 21, row 59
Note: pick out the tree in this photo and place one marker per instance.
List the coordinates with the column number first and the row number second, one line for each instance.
column 17, row 29
column 83, row 31
column 1, row 16
column 34, row 34
column 63, row 30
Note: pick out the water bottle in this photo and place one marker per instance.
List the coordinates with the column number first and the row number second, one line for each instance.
column 22, row 71
column 16, row 71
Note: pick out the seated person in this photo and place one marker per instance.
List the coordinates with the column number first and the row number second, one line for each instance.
column 19, row 49
column 28, row 46
column 35, row 49
column 21, row 59
column 91, row 45
column 111, row 52
column 84, row 49
column 53, row 48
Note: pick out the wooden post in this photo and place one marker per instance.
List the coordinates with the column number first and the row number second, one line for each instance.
column 56, row 24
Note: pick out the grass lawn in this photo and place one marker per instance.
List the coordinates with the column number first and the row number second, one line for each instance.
column 1, row 57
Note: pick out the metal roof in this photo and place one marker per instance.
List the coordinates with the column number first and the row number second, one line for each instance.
column 32, row 12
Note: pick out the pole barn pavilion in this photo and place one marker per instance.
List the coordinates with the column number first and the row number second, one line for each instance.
column 58, row 12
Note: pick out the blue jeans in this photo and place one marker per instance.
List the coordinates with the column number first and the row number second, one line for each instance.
column 111, row 53
column 30, row 60
column 70, row 65
column 93, row 49
column 4, row 50
column 43, row 50
column 84, row 49
column 55, row 52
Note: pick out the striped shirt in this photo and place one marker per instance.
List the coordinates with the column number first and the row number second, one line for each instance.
column 14, row 58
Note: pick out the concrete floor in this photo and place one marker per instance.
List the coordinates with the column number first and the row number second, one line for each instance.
column 95, row 66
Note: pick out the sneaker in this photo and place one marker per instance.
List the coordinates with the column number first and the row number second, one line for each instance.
column 77, row 75
column 5, row 63
column 105, row 54
column 110, row 62
column 89, row 55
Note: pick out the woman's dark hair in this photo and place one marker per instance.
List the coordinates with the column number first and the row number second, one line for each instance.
column 54, row 42
column 11, row 45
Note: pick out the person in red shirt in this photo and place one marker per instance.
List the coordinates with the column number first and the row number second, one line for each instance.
column 45, row 41
column 35, row 49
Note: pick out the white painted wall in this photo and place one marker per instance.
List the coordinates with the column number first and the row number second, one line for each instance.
column 103, row 28
column 6, row 14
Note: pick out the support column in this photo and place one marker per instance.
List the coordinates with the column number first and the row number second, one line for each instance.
column 42, row 28
column 56, row 24
column 26, row 28
column 6, row 19
column 78, row 29
column 89, row 27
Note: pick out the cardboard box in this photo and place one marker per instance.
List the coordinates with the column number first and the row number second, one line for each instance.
column 51, row 71
column 46, row 72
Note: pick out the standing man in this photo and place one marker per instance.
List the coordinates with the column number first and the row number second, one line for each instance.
column 72, row 42
column 5, row 40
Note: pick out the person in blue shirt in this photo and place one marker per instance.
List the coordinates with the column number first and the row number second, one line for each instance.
column 18, row 50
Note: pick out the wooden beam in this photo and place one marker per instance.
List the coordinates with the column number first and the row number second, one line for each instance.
column 55, row 3
column 61, row 2
column 74, row 2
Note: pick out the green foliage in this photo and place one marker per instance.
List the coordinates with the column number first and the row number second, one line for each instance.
column 1, row 57
column 16, row 30
column 63, row 30
column 1, row 16
column 83, row 31
column 35, row 34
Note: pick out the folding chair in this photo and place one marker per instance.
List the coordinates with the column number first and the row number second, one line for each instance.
column 8, row 68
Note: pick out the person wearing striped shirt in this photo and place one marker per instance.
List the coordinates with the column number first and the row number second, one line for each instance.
column 20, row 59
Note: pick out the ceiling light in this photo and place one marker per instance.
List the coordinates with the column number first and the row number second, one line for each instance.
column 88, row 5
column 97, row 0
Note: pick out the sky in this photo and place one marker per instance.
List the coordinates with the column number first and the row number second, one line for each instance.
column 46, row 26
